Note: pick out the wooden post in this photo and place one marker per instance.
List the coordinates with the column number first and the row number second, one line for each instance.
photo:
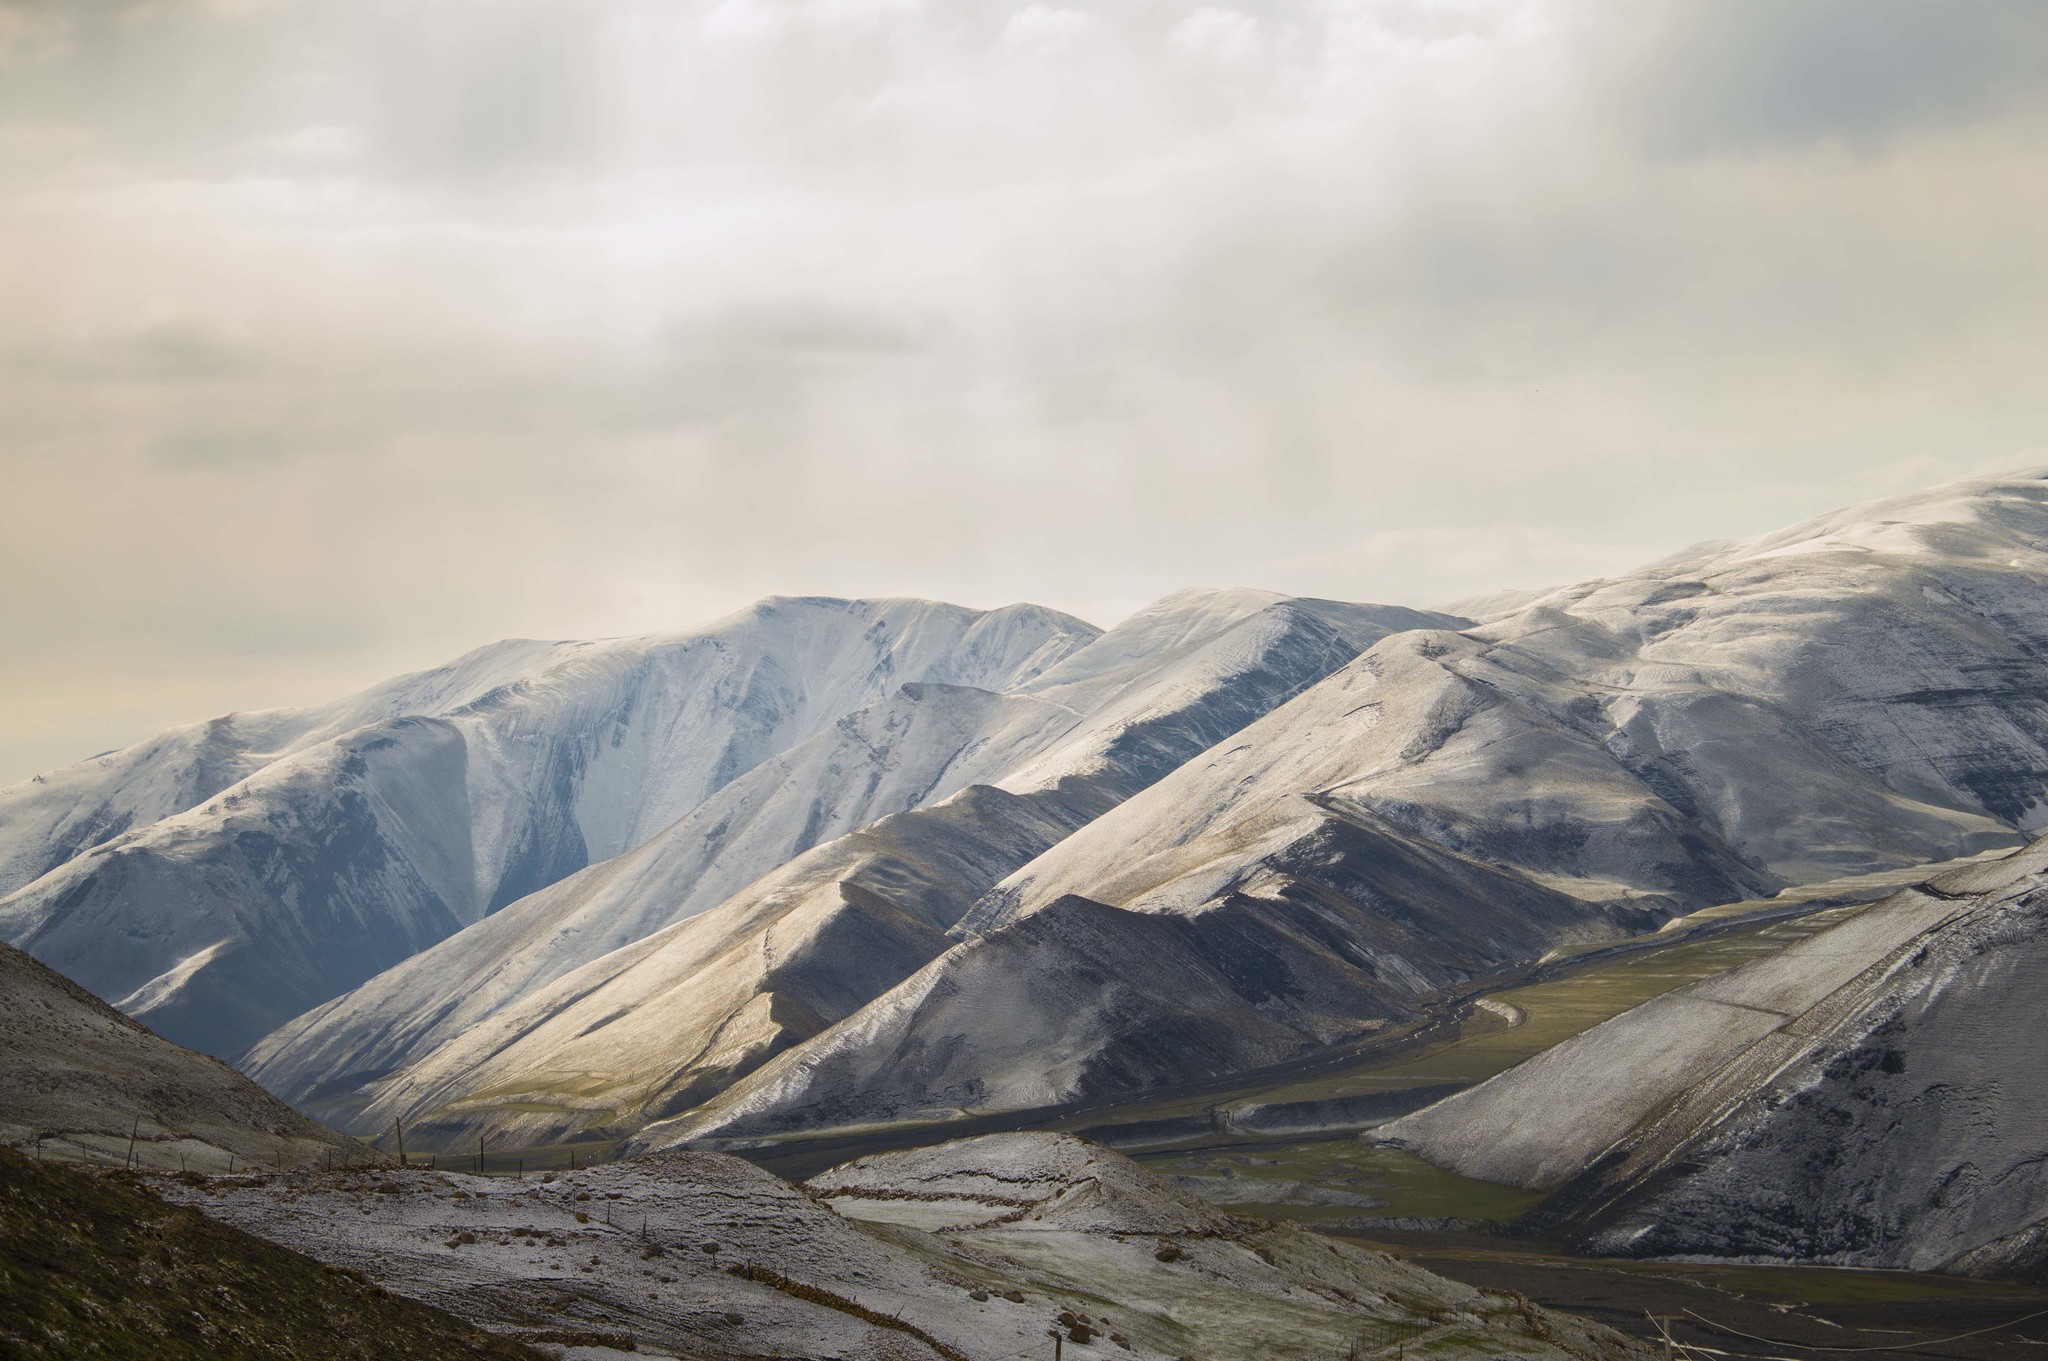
column 399, row 1125
column 521, row 1173
column 133, row 1131
column 231, row 1164
column 479, row 1155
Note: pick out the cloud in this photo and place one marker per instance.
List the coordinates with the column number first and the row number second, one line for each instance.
column 1226, row 35
column 1741, row 77
column 1046, row 27
column 437, row 323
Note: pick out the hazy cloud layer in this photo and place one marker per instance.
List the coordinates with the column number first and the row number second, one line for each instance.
column 336, row 338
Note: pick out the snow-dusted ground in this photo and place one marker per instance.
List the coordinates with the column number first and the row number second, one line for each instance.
column 220, row 880
column 1874, row 1095
column 1858, row 693
column 647, row 1250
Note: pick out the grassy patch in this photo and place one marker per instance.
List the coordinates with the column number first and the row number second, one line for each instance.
column 1288, row 1180
column 1303, row 1169
column 91, row 1265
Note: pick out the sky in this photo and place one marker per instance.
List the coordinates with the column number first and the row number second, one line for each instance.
column 338, row 338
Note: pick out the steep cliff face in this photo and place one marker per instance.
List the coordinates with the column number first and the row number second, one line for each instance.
column 1873, row 1096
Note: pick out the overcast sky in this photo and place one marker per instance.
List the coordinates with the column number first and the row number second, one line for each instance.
column 336, row 339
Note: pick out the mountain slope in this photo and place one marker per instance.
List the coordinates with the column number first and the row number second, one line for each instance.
column 1871, row 1096
column 339, row 859
column 49, row 818
column 78, row 1079
column 1861, row 692
column 1171, row 680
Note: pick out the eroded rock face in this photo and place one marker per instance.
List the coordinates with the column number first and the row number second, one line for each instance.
column 1873, row 1095
column 1912, row 1132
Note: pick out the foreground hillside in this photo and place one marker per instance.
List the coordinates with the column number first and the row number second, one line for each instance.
column 83, row 1081
column 91, row 1266
column 970, row 1252
column 1874, row 1095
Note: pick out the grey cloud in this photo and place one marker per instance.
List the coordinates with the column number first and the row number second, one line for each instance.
column 451, row 96
column 433, row 323
column 794, row 327
column 1736, row 75
column 171, row 351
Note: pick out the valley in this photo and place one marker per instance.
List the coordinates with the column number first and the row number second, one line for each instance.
column 1652, row 946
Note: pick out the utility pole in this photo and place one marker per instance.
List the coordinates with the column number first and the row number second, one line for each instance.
column 1663, row 1327
column 133, row 1131
column 479, row 1155
column 399, row 1125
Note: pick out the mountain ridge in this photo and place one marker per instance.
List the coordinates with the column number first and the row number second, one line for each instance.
column 340, row 858
column 1859, row 692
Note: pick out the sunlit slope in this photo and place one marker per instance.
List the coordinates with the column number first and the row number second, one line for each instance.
column 329, row 862
column 498, row 1017
column 1862, row 692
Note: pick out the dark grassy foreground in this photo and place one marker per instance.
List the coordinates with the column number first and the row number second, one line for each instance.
column 93, row 1266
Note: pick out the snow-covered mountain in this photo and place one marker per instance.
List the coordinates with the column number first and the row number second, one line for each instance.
column 49, row 818
column 1874, row 1095
column 294, row 854
column 608, row 999
column 1863, row 691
